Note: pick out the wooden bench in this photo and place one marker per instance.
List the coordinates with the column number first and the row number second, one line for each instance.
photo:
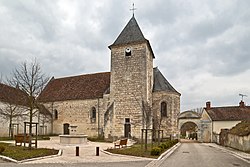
column 122, row 143
column 19, row 139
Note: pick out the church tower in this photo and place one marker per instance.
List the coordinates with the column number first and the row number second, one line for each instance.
column 131, row 82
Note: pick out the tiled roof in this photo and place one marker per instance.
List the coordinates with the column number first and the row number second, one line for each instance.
column 131, row 34
column 233, row 113
column 87, row 86
column 12, row 95
column 161, row 83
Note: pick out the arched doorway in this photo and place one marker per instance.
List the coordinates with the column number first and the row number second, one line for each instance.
column 189, row 130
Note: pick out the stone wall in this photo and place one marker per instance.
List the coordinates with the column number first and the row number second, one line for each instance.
column 131, row 86
column 170, row 123
column 78, row 113
column 205, row 129
column 238, row 142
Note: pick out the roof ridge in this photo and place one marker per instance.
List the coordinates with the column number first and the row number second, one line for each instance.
column 74, row 76
column 228, row 107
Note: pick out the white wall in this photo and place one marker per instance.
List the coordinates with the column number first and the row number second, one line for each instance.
column 218, row 125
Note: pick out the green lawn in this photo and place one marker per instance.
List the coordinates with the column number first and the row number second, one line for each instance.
column 21, row 153
column 135, row 150
column 139, row 150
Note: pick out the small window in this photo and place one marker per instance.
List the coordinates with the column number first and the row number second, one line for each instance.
column 127, row 52
column 93, row 114
column 55, row 114
column 127, row 120
column 163, row 109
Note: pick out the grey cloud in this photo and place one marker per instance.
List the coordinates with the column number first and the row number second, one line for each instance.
column 194, row 42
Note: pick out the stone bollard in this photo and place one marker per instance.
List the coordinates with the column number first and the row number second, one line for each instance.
column 77, row 150
column 97, row 151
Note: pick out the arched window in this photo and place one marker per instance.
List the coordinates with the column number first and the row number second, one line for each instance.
column 93, row 114
column 164, row 109
column 55, row 114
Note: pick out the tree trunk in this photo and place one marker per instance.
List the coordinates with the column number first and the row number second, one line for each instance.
column 30, row 128
column 10, row 128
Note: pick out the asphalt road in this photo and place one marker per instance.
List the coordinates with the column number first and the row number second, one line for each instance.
column 187, row 155
column 201, row 155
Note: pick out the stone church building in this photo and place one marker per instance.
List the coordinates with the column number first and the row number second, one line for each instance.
column 119, row 103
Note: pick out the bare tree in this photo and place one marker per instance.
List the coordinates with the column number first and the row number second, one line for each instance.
column 13, row 105
column 10, row 112
column 198, row 110
column 31, row 80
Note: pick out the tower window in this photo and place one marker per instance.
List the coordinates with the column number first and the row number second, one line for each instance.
column 127, row 120
column 55, row 114
column 127, row 52
column 163, row 109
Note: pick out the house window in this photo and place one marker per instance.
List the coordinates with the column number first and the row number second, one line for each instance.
column 163, row 109
column 93, row 114
column 55, row 114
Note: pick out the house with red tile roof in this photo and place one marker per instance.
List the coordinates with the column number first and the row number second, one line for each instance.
column 120, row 103
column 214, row 119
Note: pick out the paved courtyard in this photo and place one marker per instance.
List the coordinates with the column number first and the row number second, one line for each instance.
column 87, row 153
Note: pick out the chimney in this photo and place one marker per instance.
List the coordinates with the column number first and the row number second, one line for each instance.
column 242, row 105
column 208, row 105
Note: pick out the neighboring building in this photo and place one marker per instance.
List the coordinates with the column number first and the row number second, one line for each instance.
column 214, row 119
column 120, row 103
column 13, row 102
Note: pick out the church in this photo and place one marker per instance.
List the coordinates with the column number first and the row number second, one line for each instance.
column 132, row 96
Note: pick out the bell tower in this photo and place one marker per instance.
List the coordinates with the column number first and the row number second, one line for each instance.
column 131, row 82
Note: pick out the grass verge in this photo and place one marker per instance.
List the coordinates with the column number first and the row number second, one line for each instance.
column 138, row 150
column 21, row 153
column 41, row 137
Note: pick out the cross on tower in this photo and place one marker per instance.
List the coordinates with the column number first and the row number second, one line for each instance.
column 242, row 96
column 133, row 9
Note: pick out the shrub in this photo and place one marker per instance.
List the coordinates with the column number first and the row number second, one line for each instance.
column 168, row 145
column 155, row 151
column 2, row 148
column 163, row 146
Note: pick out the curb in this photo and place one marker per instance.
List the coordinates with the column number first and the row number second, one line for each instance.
column 225, row 149
column 32, row 159
column 163, row 156
column 121, row 155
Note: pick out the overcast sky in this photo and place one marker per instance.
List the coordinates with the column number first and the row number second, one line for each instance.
column 201, row 46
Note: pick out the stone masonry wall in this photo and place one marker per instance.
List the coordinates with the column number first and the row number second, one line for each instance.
column 170, row 123
column 78, row 113
column 238, row 142
column 131, row 83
